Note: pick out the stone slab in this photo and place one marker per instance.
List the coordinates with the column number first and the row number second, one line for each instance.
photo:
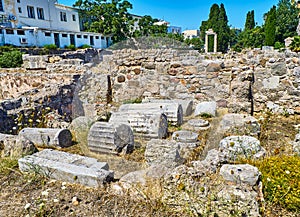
column 67, row 167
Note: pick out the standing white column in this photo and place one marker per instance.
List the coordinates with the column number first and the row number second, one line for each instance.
column 215, row 43
column 206, row 43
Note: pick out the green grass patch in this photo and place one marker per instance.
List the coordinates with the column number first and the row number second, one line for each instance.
column 281, row 181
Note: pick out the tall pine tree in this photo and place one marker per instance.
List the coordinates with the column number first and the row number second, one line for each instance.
column 270, row 27
column 218, row 21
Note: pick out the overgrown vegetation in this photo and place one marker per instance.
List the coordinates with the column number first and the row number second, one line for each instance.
column 10, row 57
column 281, row 181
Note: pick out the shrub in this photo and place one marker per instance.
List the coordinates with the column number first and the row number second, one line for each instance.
column 11, row 59
column 50, row 47
column 281, row 180
column 278, row 45
column 85, row 46
column 71, row 47
column 295, row 45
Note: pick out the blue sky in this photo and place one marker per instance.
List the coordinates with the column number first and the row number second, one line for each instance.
column 190, row 13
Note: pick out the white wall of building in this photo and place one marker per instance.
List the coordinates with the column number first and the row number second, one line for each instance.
column 51, row 15
column 193, row 33
column 42, row 22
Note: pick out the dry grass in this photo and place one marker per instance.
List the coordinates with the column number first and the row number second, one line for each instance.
column 46, row 197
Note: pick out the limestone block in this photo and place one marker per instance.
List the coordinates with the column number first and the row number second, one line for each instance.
column 187, row 104
column 107, row 138
column 271, row 83
column 80, row 128
column 163, row 152
column 49, row 137
column 34, row 62
column 144, row 124
column 12, row 146
column 206, row 108
column 173, row 111
column 278, row 69
column 242, row 173
column 67, row 167
column 234, row 147
column 187, row 141
column 239, row 124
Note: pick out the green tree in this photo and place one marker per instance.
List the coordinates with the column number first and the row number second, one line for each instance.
column 147, row 27
column 286, row 20
column 250, row 22
column 270, row 27
column 253, row 38
column 106, row 17
column 196, row 43
column 217, row 21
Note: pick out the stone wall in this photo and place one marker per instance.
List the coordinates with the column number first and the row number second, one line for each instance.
column 241, row 82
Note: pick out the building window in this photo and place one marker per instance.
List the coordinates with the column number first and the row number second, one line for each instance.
column 102, row 37
column 30, row 11
column 18, row 1
column 20, row 32
column 64, row 35
column 96, row 37
column 85, row 36
column 1, row 6
column 40, row 13
column 78, row 36
column 20, row 10
column 10, row 31
column 48, row 34
column 63, row 16
column 74, row 17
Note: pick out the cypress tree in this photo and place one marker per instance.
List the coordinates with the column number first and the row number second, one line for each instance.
column 270, row 27
column 223, row 31
column 250, row 22
column 218, row 21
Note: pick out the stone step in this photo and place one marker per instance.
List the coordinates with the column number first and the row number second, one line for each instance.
column 110, row 138
column 49, row 137
column 67, row 167
column 173, row 111
column 145, row 125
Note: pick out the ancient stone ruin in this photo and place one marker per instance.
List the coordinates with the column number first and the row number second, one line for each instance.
column 157, row 100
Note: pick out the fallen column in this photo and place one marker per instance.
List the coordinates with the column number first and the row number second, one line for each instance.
column 47, row 136
column 110, row 139
column 187, row 105
column 145, row 125
column 173, row 111
column 67, row 167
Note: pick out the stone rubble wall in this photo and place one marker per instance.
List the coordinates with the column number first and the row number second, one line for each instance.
column 242, row 82
column 232, row 80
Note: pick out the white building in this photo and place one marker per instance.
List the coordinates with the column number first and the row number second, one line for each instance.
column 42, row 22
column 170, row 29
column 191, row 34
